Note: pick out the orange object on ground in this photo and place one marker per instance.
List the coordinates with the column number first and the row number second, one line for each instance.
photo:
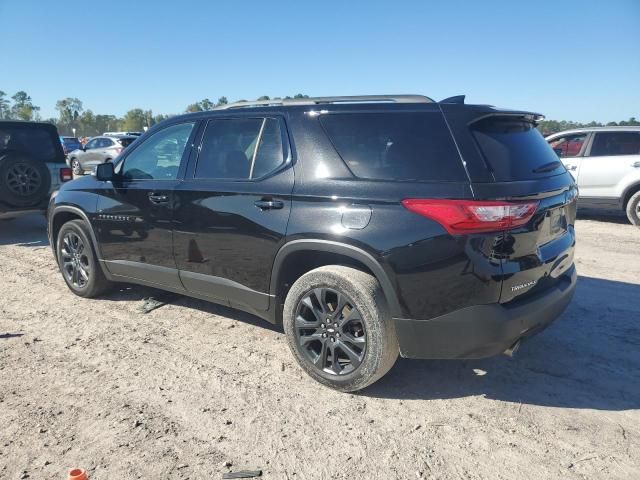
column 77, row 474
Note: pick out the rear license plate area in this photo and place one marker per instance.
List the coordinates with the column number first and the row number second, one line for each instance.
column 557, row 222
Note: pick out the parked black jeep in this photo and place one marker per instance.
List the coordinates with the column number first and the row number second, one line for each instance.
column 366, row 226
column 32, row 165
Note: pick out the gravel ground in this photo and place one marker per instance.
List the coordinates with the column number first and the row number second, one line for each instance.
column 192, row 390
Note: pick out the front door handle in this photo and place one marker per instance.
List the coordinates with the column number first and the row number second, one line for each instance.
column 572, row 168
column 158, row 198
column 636, row 164
column 269, row 204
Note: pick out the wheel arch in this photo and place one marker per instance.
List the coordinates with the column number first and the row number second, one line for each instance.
column 298, row 257
column 63, row 214
column 628, row 193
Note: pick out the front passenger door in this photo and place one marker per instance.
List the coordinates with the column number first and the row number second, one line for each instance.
column 570, row 149
column 135, row 209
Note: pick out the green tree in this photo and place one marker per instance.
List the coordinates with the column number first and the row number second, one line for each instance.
column 5, row 110
column 203, row 105
column 23, row 108
column 105, row 123
column 222, row 101
column 69, row 111
column 134, row 120
column 264, row 97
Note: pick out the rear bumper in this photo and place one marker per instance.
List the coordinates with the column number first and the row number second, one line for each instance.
column 484, row 330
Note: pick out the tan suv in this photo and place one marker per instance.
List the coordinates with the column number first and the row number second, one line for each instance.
column 97, row 150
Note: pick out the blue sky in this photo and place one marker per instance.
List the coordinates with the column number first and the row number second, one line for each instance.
column 574, row 60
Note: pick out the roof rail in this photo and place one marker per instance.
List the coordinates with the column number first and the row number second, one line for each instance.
column 322, row 100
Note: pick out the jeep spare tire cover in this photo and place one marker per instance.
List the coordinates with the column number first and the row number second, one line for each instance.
column 24, row 181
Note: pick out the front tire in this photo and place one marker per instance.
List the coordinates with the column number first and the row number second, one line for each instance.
column 78, row 261
column 633, row 209
column 339, row 328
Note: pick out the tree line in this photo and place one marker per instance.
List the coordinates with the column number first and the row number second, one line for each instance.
column 72, row 115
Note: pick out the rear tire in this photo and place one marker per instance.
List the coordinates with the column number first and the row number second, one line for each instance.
column 633, row 209
column 78, row 261
column 339, row 328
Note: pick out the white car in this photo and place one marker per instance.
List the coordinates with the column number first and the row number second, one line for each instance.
column 605, row 162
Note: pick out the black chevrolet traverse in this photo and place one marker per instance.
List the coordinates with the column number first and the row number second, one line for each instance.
column 366, row 226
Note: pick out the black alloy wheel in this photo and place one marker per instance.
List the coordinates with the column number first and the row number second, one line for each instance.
column 76, row 266
column 330, row 331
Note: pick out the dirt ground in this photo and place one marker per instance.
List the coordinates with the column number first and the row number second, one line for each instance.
column 192, row 390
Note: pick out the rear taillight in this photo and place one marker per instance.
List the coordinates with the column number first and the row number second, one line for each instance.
column 66, row 174
column 118, row 150
column 471, row 216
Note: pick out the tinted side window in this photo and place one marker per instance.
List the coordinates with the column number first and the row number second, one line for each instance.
column 36, row 142
column 395, row 146
column 240, row 148
column 569, row 145
column 270, row 154
column 159, row 156
column 616, row 143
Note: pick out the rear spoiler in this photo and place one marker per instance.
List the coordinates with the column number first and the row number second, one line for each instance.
column 469, row 114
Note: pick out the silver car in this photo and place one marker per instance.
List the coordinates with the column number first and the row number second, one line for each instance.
column 97, row 150
column 605, row 163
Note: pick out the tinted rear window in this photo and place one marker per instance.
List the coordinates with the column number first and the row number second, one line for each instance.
column 125, row 142
column 404, row 146
column 515, row 149
column 37, row 142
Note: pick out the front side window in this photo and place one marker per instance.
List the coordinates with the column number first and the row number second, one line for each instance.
column 616, row 143
column 159, row 156
column 569, row 145
column 240, row 149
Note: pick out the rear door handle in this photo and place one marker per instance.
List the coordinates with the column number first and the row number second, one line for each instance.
column 636, row 164
column 572, row 167
column 269, row 204
column 158, row 198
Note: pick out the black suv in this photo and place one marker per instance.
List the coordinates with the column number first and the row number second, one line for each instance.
column 366, row 226
column 32, row 165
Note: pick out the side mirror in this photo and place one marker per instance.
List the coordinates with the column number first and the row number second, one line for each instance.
column 105, row 172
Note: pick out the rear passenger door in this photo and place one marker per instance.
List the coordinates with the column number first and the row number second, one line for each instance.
column 612, row 157
column 231, row 212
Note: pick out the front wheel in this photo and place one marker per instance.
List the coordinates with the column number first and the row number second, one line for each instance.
column 78, row 261
column 339, row 328
column 633, row 209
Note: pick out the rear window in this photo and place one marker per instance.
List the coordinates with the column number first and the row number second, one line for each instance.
column 515, row 149
column 405, row 146
column 125, row 142
column 37, row 142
